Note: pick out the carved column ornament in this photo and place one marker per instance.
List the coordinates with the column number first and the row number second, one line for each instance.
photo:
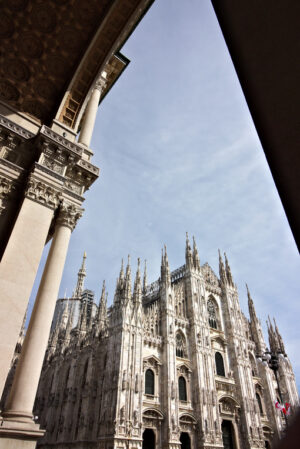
column 101, row 82
column 42, row 193
column 68, row 215
column 6, row 186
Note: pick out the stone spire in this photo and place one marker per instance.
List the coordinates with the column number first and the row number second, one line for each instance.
column 69, row 324
column 137, row 292
column 128, row 281
column 279, row 338
column 222, row 273
column 53, row 339
column 188, row 254
column 273, row 342
column 145, row 278
column 83, row 322
column 80, row 278
column 251, row 306
column 102, row 311
column 228, row 272
column 121, row 275
column 165, row 270
column 196, row 258
column 255, row 326
column 101, row 318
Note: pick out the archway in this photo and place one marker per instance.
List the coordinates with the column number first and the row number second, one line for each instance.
column 185, row 441
column 227, row 434
column 148, row 439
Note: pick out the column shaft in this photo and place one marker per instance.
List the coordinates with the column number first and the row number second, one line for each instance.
column 18, row 269
column 89, row 118
column 23, row 391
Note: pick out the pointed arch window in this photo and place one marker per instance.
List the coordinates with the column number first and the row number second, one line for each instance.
column 219, row 364
column 259, row 403
column 182, row 389
column 149, row 382
column 180, row 346
column 212, row 316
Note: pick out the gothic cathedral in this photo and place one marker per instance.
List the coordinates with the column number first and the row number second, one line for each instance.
column 174, row 364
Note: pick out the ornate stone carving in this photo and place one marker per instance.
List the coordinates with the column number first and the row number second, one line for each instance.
column 53, row 165
column 69, row 214
column 6, row 186
column 8, row 124
column 42, row 193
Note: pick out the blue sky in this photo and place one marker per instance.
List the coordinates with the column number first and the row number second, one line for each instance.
column 178, row 152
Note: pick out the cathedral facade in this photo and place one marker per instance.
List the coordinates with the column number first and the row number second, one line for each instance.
column 174, row 364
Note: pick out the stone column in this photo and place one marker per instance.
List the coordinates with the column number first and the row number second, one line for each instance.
column 21, row 399
column 20, row 262
column 91, row 112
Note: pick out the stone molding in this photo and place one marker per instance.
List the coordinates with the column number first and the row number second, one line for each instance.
column 88, row 166
column 58, row 139
column 68, row 215
column 17, row 129
column 42, row 193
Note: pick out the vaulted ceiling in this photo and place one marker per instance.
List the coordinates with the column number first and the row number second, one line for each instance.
column 52, row 51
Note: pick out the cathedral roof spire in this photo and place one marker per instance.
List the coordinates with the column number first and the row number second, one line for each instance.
column 83, row 324
column 228, row 271
column 221, row 269
column 128, row 280
column 101, row 318
column 196, row 258
column 137, row 293
column 145, row 278
column 80, row 278
column 165, row 270
column 103, row 296
column 273, row 341
column 188, row 253
column 251, row 306
column 279, row 338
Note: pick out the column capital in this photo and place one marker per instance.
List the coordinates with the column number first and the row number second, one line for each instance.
column 101, row 83
column 68, row 215
column 42, row 193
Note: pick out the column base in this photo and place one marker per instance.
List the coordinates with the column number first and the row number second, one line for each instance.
column 19, row 431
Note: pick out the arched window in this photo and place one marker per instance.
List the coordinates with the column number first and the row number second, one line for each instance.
column 259, row 403
column 182, row 389
column 149, row 382
column 219, row 364
column 212, row 317
column 180, row 345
